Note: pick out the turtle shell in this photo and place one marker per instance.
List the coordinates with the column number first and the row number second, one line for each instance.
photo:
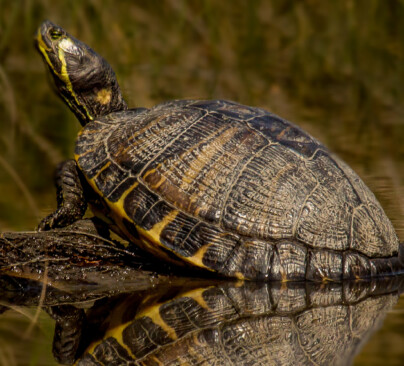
column 233, row 189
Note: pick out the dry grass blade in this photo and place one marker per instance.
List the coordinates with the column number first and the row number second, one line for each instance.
column 7, row 357
column 53, row 155
column 25, row 312
column 34, row 321
column 9, row 106
column 21, row 185
column 8, row 96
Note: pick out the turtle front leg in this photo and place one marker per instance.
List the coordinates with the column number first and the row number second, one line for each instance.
column 68, row 330
column 71, row 201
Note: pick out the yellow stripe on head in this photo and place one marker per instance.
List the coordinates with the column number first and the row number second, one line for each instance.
column 83, row 79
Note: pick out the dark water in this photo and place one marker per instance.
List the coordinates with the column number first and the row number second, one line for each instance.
column 334, row 68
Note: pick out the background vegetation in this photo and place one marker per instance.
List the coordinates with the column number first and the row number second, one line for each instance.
column 334, row 67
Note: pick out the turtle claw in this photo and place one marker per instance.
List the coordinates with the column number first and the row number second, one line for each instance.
column 55, row 219
column 45, row 224
column 62, row 217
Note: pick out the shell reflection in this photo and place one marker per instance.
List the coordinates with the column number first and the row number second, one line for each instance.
column 242, row 324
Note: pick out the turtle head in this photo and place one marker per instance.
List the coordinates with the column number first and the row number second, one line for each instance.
column 83, row 79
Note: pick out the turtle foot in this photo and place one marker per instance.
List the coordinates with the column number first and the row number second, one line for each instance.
column 59, row 218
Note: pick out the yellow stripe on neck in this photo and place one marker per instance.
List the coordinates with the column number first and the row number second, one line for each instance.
column 63, row 74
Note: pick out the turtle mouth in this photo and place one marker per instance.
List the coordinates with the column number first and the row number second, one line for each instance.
column 44, row 39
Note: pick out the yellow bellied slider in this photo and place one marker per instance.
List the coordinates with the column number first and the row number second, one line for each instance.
column 214, row 184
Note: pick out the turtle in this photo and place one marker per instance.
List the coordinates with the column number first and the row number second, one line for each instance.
column 212, row 184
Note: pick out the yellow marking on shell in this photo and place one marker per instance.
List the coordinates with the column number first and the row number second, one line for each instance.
column 118, row 206
column 156, row 360
column 193, row 207
column 159, row 183
column 201, row 160
column 197, row 258
column 197, row 295
column 115, row 237
column 153, row 312
column 187, row 180
column 104, row 96
column 178, row 192
column 153, row 171
column 197, row 210
column 149, row 172
column 192, row 199
column 197, row 341
column 101, row 170
column 282, row 133
column 80, row 133
column 148, row 243
column 149, row 239
column 284, row 277
column 239, row 275
column 94, row 186
column 239, row 283
column 155, row 232
column 115, row 333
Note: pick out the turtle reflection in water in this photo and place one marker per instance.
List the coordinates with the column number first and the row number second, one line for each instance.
column 214, row 184
column 175, row 321
column 245, row 324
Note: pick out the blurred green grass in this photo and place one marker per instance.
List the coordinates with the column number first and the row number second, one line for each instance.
column 336, row 68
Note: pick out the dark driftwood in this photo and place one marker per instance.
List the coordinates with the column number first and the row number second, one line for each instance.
column 75, row 260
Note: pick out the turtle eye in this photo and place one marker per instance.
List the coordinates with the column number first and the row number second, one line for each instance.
column 55, row 34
